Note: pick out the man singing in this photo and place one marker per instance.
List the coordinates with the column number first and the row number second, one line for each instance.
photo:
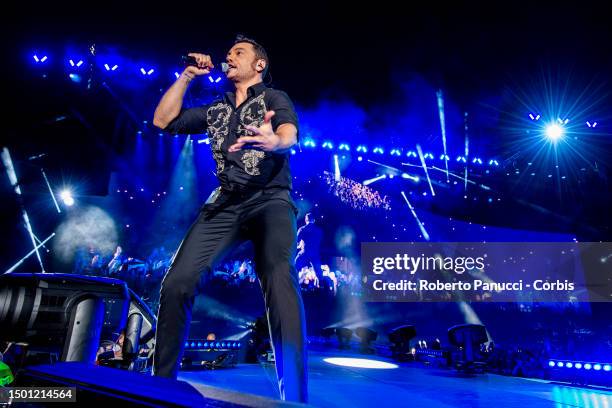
column 251, row 131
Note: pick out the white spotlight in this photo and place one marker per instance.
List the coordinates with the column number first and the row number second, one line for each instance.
column 67, row 199
column 554, row 132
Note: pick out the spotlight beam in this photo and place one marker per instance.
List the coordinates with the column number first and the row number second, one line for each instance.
column 22, row 260
column 440, row 97
column 372, row 180
column 10, row 170
column 467, row 152
column 57, row 207
column 336, row 168
column 421, row 226
column 433, row 193
column 384, row 165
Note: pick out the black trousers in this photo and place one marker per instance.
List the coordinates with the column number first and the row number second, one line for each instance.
column 268, row 219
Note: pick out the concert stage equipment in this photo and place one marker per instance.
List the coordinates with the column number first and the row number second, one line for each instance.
column 211, row 354
column 367, row 336
column 468, row 337
column 62, row 317
column 400, row 339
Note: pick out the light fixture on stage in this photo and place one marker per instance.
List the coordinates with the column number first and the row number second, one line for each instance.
column 400, row 339
column 367, row 336
column 75, row 63
column 147, row 72
column 327, row 332
column 554, row 132
column 468, row 338
column 67, row 198
column 344, row 337
column 40, row 60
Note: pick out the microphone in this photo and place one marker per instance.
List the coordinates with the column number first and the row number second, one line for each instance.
column 189, row 60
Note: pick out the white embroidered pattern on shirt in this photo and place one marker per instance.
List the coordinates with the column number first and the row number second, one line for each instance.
column 218, row 119
column 252, row 114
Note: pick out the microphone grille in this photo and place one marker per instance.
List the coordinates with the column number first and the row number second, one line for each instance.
column 224, row 67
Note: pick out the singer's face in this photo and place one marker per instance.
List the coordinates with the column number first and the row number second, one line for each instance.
column 241, row 59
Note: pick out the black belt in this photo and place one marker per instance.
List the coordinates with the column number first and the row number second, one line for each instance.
column 249, row 193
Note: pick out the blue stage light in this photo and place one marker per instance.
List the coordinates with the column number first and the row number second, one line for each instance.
column 395, row 152
column 493, row 162
column 591, row 125
column 560, row 364
column 218, row 80
column 75, row 78
column 344, row 146
column 212, row 81
column 309, row 143
column 534, row 116
column 240, row 344
column 362, row 148
column 607, row 367
column 551, row 364
column 109, row 68
column 193, row 344
column 327, row 145
column 411, row 153
column 39, row 60
column 569, row 365
column 597, row 367
column 186, row 344
column 578, row 365
column 359, row 158
column 378, row 150
column 199, row 344
column 75, row 64
column 588, row 366
column 206, row 345
column 428, row 156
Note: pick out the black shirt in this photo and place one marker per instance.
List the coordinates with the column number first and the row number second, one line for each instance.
column 246, row 169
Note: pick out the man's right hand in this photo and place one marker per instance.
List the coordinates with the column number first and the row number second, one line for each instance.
column 204, row 65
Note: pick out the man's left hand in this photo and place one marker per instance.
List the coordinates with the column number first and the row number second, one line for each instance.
column 263, row 137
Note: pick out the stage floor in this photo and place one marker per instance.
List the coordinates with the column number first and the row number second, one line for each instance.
column 408, row 385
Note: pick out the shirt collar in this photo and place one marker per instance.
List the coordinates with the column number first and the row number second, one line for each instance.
column 252, row 91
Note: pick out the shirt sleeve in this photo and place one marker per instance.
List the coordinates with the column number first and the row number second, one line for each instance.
column 284, row 111
column 192, row 120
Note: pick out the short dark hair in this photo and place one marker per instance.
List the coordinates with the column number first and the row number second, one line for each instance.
column 260, row 51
